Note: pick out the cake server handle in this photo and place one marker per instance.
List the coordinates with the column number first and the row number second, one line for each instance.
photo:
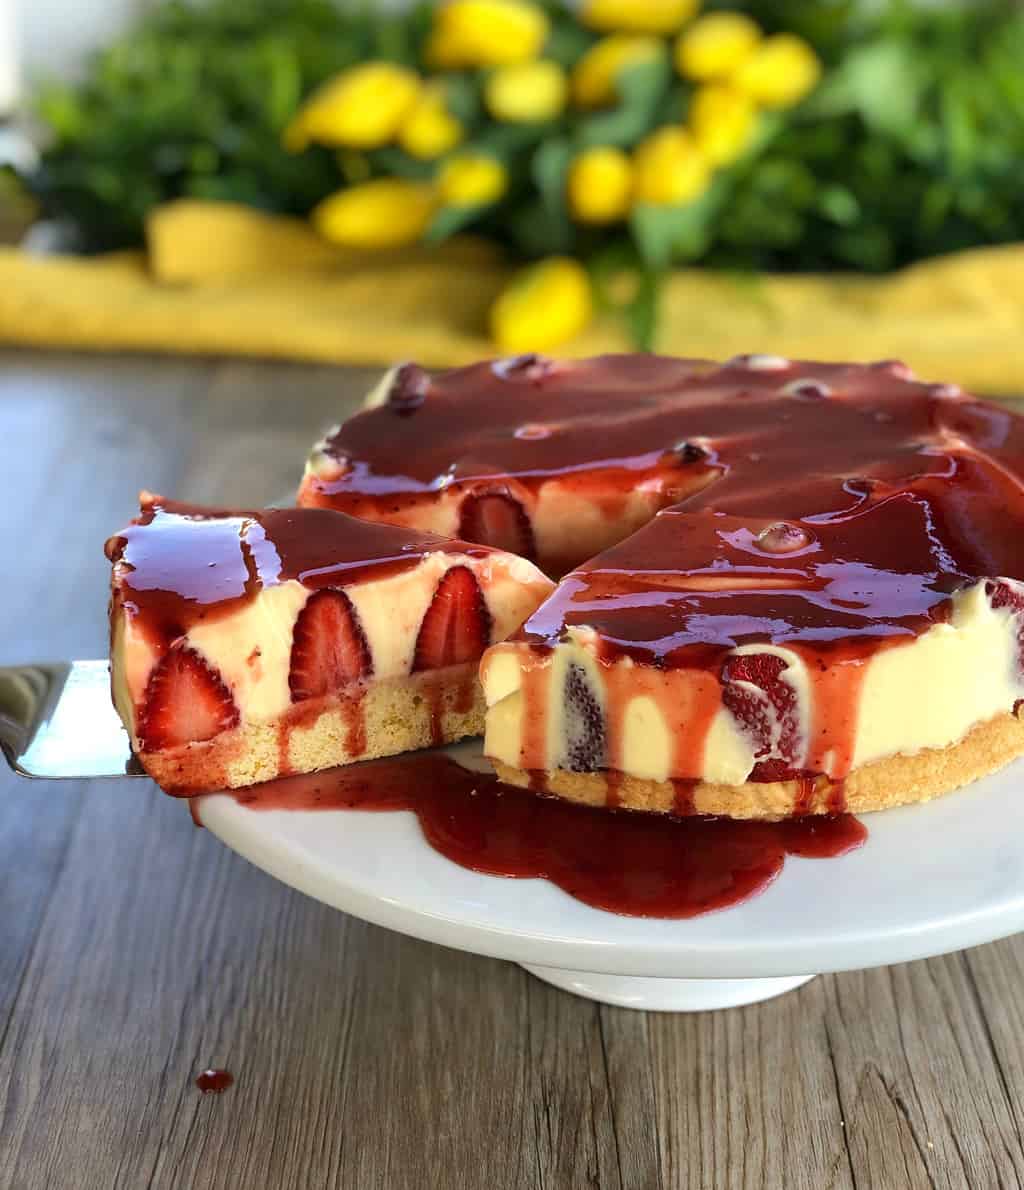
column 58, row 721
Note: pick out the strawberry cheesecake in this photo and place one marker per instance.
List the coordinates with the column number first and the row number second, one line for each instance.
column 249, row 645
column 830, row 616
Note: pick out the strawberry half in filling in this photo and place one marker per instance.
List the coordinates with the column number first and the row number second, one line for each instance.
column 249, row 645
column 834, row 620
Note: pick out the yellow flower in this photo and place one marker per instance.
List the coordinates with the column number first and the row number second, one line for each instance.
column 600, row 184
column 361, row 108
column 525, row 92
column 637, row 16
column 471, row 180
column 430, row 130
column 780, row 72
column 721, row 120
column 669, row 168
column 542, row 306
column 595, row 74
column 386, row 213
column 716, row 45
column 470, row 33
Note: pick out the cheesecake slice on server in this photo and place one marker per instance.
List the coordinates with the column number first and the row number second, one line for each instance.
column 250, row 645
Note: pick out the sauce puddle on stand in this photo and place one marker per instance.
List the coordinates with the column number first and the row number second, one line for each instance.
column 641, row 865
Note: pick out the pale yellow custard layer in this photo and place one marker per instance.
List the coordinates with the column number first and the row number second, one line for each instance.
column 251, row 647
column 926, row 692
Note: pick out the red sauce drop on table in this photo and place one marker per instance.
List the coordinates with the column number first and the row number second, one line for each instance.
column 642, row 865
column 214, row 1082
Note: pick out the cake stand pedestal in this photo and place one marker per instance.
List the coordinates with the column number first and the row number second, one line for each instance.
column 667, row 995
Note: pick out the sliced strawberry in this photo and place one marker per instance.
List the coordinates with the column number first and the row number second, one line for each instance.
column 498, row 519
column 329, row 649
column 457, row 624
column 769, row 718
column 185, row 702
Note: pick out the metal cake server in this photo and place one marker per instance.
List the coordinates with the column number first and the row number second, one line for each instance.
column 58, row 721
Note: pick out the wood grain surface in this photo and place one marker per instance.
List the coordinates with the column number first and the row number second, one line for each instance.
column 136, row 950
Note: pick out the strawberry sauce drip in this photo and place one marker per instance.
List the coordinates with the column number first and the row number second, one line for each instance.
column 284, row 746
column 353, row 713
column 683, row 802
column 214, row 1082
column 536, row 679
column 643, row 865
column 837, row 797
column 434, row 694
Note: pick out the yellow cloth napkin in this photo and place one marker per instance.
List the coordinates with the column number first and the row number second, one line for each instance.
column 224, row 279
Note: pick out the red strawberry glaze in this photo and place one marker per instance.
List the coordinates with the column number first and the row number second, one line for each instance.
column 184, row 563
column 689, row 588
column 751, row 435
column 641, row 865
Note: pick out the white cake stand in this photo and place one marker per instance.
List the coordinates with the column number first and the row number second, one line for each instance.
column 930, row 879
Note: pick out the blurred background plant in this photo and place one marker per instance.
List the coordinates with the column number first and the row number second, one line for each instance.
column 600, row 144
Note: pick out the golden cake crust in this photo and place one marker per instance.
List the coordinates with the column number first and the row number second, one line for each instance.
column 892, row 781
column 399, row 716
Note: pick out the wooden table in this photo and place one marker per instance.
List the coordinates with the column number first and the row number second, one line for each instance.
column 136, row 950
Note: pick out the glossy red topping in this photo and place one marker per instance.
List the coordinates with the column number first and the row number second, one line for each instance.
column 180, row 563
column 758, row 436
column 691, row 584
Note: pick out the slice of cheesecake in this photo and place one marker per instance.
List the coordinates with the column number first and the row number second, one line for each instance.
column 249, row 645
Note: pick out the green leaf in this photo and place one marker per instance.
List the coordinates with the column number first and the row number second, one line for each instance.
column 883, row 82
column 643, row 310
column 654, row 230
column 533, row 234
column 548, row 168
column 400, row 164
column 462, row 97
column 839, row 205
column 568, row 41
column 450, row 220
column 641, row 88
column 960, row 133
column 676, row 234
column 507, row 140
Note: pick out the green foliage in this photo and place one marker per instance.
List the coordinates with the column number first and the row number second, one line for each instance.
column 193, row 102
column 911, row 146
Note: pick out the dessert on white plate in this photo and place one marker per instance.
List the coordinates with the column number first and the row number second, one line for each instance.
column 806, row 597
column 250, row 645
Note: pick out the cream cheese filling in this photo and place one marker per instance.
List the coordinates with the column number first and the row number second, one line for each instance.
column 925, row 693
column 251, row 648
